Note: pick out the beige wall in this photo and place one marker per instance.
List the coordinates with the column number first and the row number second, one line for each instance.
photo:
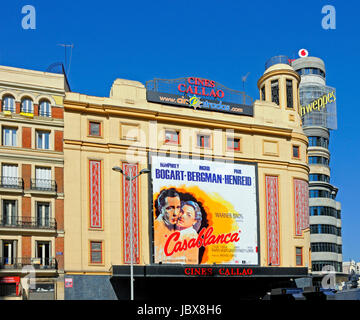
column 129, row 122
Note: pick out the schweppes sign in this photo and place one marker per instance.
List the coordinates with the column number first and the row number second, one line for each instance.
column 319, row 103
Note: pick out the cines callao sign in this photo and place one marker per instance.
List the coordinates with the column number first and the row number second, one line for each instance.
column 199, row 93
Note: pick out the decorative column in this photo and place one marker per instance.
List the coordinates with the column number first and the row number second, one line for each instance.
column 133, row 169
column 272, row 220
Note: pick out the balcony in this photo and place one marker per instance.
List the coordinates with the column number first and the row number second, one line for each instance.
column 11, row 184
column 19, row 263
column 29, row 223
column 43, row 186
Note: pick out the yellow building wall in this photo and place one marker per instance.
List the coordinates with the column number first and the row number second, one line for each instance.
column 266, row 139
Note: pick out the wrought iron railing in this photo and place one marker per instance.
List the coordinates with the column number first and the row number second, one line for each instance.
column 37, row 263
column 43, row 185
column 11, row 182
column 28, row 222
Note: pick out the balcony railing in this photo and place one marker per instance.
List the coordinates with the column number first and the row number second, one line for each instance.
column 29, row 223
column 11, row 182
column 37, row 263
column 43, row 185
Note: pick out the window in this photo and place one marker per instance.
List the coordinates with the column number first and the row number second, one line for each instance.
column 43, row 252
column 319, row 177
column 43, row 214
column 325, row 229
column 289, row 94
column 263, row 96
column 95, row 252
column 326, row 247
column 42, row 140
column 9, row 212
column 323, row 211
column 318, row 142
column 43, row 178
column 27, row 106
column 8, row 104
column 305, row 71
column 9, row 176
column 319, row 265
column 296, row 152
column 321, row 194
column 172, row 136
column 45, row 109
column 9, row 137
column 203, row 141
column 233, row 144
column 7, row 289
column 319, row 160
column 9, row 251
column 299, row 258
column 94, row 128
column 275, row 91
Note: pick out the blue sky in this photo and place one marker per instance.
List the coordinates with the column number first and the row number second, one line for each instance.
column 219, row 40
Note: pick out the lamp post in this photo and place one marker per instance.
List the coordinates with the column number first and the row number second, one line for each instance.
column 130, row 178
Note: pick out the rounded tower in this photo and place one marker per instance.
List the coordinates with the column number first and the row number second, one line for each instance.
column 325, row 217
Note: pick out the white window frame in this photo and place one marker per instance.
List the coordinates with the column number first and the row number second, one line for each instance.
column 8, row 104
column 44, row 134
column 45, row 108
column 9, row 174
column 12, row 139
column 27, row 105
column 45, row 221
column 43, row 177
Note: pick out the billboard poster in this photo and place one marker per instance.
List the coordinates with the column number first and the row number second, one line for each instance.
column 204, row 212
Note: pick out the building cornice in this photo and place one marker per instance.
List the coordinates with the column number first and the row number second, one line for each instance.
column 281, row 72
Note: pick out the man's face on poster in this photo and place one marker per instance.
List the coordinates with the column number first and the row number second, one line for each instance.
column 172, row 209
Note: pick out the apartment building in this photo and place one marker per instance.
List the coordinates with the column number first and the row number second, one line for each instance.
column 31, row 184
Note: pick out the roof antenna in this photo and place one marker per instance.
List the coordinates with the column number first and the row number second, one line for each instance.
column 243, row 78
column 67, row 70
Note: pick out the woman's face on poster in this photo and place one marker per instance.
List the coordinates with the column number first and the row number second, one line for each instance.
column 187, row 217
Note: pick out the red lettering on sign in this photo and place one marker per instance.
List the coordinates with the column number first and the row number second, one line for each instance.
column 180, row 86
column 190, row 80
column 198, row 86
column 204, row 239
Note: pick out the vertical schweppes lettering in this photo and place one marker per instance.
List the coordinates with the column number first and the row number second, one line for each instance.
column 318, row 103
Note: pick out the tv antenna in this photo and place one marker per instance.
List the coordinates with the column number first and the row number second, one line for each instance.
column 67, row 70
column 243, row 78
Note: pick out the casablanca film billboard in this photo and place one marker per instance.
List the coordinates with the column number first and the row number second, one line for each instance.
column 204, row 212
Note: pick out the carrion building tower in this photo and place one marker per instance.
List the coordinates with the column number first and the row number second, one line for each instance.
column 318, row 113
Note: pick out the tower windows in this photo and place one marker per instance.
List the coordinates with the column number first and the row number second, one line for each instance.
column 289, row 94
column 275, row 91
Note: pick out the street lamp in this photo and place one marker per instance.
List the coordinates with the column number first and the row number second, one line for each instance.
column 130, row 178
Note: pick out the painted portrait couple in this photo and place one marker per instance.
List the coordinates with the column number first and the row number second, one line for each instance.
column 180, row 212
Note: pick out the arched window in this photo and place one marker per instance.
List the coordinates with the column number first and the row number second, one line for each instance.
column 45, row 109
column 27, row 106
column 8, row 104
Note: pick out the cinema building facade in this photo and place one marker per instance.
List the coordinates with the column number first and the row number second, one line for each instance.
column 239, row 167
